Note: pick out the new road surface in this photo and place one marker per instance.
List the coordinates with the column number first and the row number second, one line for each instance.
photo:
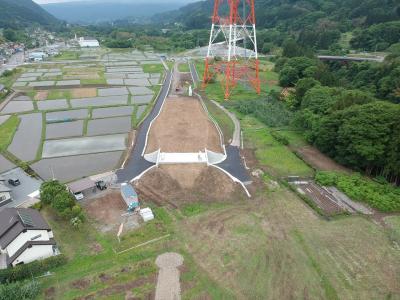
column 136, row 163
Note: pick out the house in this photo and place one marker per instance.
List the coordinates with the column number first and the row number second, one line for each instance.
column 37, row 56
column 90, row 42
column 5, row 193
column 24, row 237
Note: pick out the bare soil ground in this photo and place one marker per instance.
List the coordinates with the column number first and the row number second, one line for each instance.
column 107, row 211
column 321, row 198
column 318, row 160
column 183, row 126
column 176, row 185
column 41, row 95
column 84, row 93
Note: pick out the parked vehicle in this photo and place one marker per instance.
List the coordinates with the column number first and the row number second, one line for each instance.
column 14, row 181
column 101, row 185
column 79, row 196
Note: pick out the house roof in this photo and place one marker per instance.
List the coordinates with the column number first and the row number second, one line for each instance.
column 13, row 221
column 89, row 38
column 81, row 185
column 2, row 87
column 4, row 188
column 27, row 245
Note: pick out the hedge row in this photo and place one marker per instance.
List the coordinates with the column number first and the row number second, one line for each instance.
column 32, row 269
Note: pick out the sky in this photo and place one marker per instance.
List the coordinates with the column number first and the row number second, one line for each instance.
column 138, row 1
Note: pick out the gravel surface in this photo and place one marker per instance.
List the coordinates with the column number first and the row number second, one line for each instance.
column 68, row 114
column 64, row 130
column 52, row 104
column 109, row 126
column 112, row 112
column 138, row 82
column 168, row 285
column 144, row 99
column 85, row 145
column 22, row 98
column 4, row 118
column 140, row 90
column 100, row 101
column 17, row 107
column 26, row 79
column 138, row 76
column 115, row 81
column 70, row 168
column 5, row 164
column 28, row 137
column 113, row 91
column 140, row 111
column 68, row 82
column 41, row 83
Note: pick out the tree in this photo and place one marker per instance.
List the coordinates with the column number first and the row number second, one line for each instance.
column 49, row 190
column 302, row 86
column 288, row 76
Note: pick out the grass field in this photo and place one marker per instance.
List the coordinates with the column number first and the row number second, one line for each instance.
column 153, row 68
column 67, row 55
column 59, row 94
column 269, row 82
column 7, row 131
column 276, row 157
column 223, row 120
column 183, row 67
column 94, row 268
column 275, row 247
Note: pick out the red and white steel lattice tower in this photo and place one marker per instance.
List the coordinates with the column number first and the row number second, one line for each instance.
column 225, row 58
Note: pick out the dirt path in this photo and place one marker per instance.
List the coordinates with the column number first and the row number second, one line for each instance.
column 183, row 126
column 168, row 285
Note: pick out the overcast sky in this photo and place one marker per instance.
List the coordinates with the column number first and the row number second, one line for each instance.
column 138, row 1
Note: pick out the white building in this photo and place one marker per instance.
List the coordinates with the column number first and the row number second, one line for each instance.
column 24, row 237
column 88, row 42
column 5, row 193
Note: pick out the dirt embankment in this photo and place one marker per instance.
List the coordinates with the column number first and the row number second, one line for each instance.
column 183, row 126
column 177, row 185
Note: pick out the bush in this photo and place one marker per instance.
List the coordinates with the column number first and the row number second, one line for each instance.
column 19, row 290
column 280, row 138
column 35, row 268
column 383, row 197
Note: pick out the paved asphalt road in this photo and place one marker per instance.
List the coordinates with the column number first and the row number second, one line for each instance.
column 137, row 164
column 15, row 60
column 233, row 163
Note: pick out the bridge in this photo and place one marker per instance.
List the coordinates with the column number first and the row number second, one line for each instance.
column 350, row 58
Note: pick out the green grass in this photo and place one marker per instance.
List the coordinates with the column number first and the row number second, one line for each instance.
column 67, row 55
column 295, row 138
column 184, row 68
column 93, row 81
column 59, row 94
column 268, row 78
column 223, row 120
column 394, row 228
column 278, row 158
column 194, row 209
column 153, row 68
column 7, row 131
column 85, row 263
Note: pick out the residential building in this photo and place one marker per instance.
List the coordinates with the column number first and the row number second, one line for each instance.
column 5, row 193
column 24, row 237
column 88, row 42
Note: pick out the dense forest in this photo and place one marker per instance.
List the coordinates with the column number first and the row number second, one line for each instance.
column 18, row 14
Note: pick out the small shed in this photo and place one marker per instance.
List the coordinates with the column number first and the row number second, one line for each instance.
column 130, row 196
column 82, row 185
column 2, row 88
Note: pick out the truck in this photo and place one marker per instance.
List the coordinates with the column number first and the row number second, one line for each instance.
column 130, row 196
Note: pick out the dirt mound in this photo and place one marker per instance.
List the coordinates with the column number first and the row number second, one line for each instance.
column 176, row 185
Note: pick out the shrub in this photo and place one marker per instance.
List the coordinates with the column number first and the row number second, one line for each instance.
column 19, row 290
column 280, row 138
column 35, row 268
column 383, row 197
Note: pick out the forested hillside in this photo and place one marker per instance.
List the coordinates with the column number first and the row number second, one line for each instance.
column 17, row 14
column 317, row 23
